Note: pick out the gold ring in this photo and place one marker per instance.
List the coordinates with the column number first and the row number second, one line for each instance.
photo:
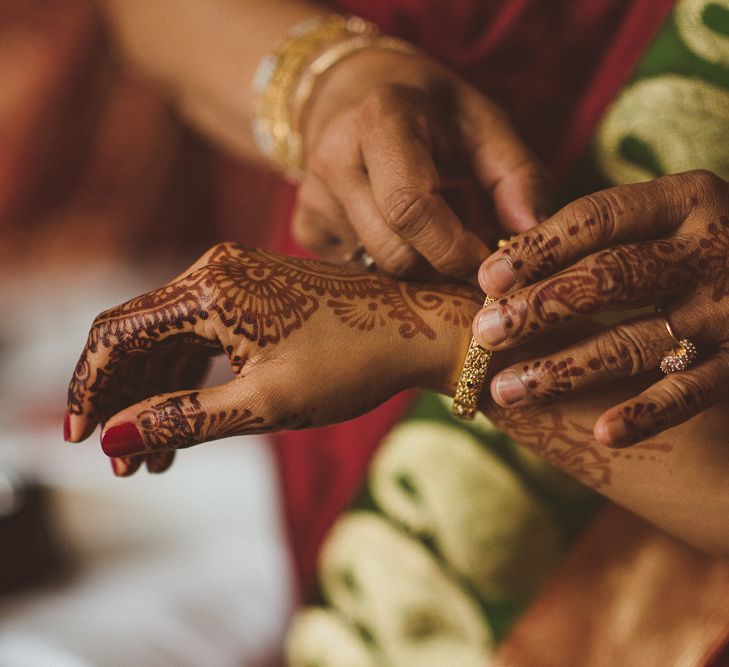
column 681, row 355
column 361, row 256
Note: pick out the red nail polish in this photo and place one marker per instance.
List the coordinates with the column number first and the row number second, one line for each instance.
column 122, row 440
column 67, row 427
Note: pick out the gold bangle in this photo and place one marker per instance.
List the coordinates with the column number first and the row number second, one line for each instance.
column 472, row 378
column 285, row 80
column 326, row 60
column 278, row 75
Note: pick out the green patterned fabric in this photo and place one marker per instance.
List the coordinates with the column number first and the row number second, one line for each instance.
column 456, row 526
column 452, row 534
column 673, row 115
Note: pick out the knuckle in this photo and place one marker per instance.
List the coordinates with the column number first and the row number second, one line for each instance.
column 408, row 211
column 394, row 108
column 686, row 390
column 616, row 271
column 382, row 99
column 622, row 352
column 336, row 148
column 707, row 181
column 319, row 160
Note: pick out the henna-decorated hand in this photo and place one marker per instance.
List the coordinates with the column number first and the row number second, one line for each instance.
column 310, row 344
column 666, row 243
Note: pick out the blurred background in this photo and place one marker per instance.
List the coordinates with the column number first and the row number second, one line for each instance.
column 104, row 194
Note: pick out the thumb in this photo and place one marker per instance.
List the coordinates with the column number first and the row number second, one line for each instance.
column 184, row 419
column 519, row 184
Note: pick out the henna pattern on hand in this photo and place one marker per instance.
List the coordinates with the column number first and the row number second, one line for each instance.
column 564, row 443
column 621, row 276
column 180, row 421
column 567, row 444
column 715, row 258
column 261, row 296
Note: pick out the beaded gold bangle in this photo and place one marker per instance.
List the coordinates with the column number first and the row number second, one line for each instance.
column 472, row 378
column 285, row 80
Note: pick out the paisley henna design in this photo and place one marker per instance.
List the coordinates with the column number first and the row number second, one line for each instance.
column 624, row 276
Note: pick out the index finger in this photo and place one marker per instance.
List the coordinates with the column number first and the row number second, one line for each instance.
column 405, row 186
column 628, row 213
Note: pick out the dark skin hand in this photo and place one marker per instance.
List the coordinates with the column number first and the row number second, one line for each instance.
column 665, row 242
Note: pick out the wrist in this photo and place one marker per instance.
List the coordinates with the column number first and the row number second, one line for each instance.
column 447, row 351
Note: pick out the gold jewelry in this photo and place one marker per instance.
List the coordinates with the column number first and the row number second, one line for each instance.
column 331, row 56
column 681, row 355
column 361, row 256
column 284, row 80
column 472, row 378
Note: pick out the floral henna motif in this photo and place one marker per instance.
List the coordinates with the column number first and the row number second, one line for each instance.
column 551, row 378
column 181, row 421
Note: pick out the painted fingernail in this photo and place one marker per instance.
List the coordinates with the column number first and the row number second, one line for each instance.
column 67, row 427
column 509, row 388
column 122, row 440
column 489, row 328
column 498, row 276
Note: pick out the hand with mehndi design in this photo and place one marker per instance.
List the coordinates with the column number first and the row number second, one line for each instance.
column 665, row 242
column 310, row 343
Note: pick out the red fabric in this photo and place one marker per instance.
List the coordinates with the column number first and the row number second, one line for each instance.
column 553, row 67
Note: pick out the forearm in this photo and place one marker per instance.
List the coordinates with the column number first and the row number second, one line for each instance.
column 676, row 480
column 204, row 55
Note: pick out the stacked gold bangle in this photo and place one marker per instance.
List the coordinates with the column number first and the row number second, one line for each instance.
column 472, row 378
column 285, row 80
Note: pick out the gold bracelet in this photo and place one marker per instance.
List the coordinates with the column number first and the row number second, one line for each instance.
column 472, row 378
column 277, row 77
column 330, row 57
column 285, row 80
